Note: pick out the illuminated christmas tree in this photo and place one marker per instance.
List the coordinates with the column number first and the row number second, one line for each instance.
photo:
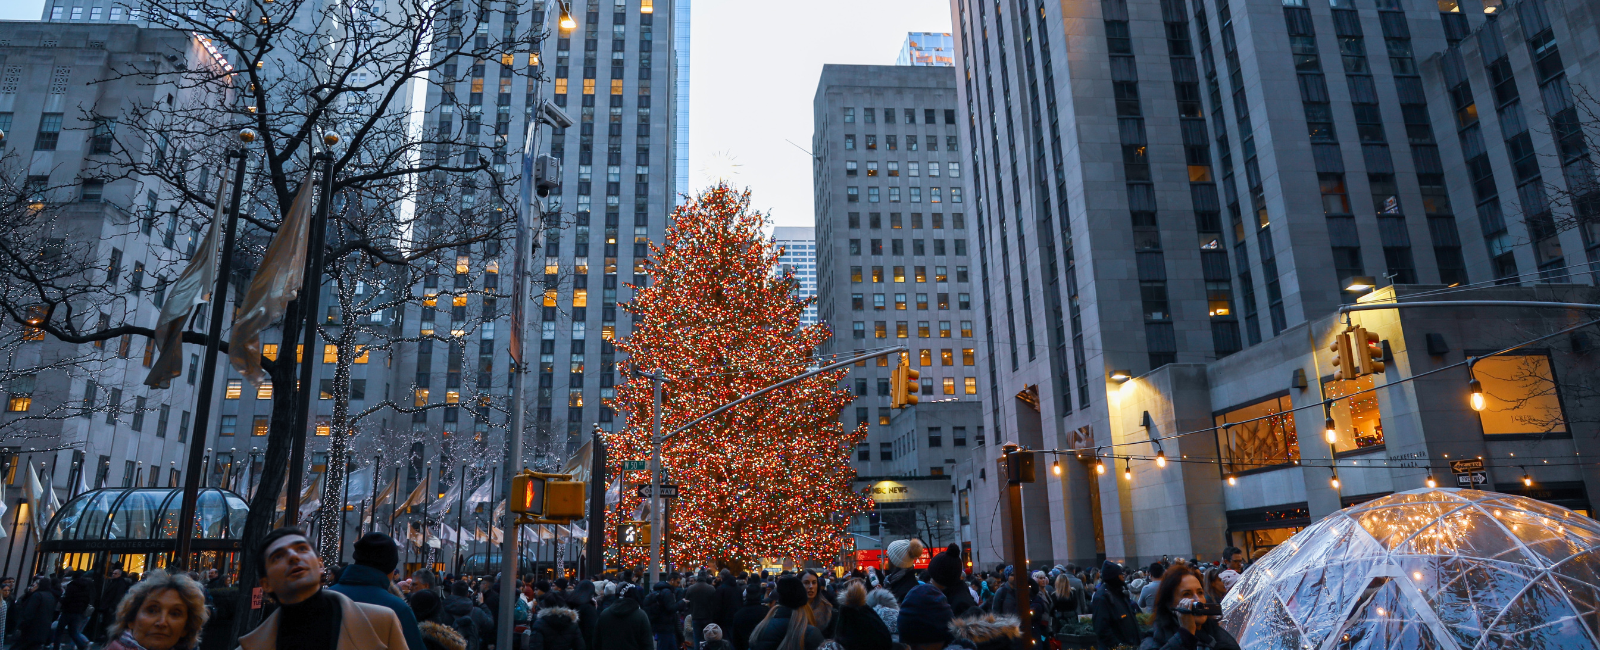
column 769, row 478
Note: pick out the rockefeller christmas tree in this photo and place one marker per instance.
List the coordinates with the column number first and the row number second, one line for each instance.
column 769, row 478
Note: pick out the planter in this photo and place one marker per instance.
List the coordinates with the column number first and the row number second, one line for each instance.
column 1085, row 641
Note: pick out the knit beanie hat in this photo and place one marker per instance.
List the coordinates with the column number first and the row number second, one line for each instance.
column 904, row 552
column 425, row 604
column 713, row 632
column 925, row 616
column 945, row 568
column 791, row 592
column 378, row 551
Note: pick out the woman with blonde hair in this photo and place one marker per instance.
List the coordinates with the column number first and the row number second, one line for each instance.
column 161, row 612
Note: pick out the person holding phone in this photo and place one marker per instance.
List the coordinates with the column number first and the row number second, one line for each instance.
column 1184, row 619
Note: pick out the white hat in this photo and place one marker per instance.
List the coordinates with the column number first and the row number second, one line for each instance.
column 903, row 553
column 1229, row 578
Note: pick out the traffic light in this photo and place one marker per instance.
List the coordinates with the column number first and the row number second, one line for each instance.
column 633, row 533
column 1369, row 350
column 903, row 385
column 1344, row 360
column 546, row 498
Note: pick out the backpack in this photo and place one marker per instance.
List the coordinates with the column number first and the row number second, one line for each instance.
column 521, row 614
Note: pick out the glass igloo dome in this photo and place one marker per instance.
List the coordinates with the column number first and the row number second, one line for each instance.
column 1430, row 568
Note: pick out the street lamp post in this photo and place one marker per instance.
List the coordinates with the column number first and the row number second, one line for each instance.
column 208, row 372
column 311, row 298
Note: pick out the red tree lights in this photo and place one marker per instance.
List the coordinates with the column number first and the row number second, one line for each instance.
column 771, row 477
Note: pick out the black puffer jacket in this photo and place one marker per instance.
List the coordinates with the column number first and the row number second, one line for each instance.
column 901, row 582
column 858, row 627
column 1210, row 636
column 556, row 628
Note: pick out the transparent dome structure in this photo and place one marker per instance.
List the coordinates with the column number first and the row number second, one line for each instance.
column 1430, row 568
column 133, row 515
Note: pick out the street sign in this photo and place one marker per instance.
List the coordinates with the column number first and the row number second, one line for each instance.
column 635, row 465
column 667, row 491
column 1469, row 473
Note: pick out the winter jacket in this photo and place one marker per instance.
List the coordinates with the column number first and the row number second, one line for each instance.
column 702, row 599
column 483, row 621
column 729, row 599
column 663, row 607
column 457, row 613
column 744, row 622
column 858, row 627
column 1114, row 622
column 438, row 636
column 581, row 601
column 961, row 602
column 365, row 584
column 623, row 626
column 985, row 632
column 77, row 596
column 34, row 613
column 901, row 582
column 112, row 594
column 556, row 628
column 1210, row 636
column 771, row 635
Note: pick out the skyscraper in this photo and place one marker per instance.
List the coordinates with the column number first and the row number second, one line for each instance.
column 894, row 266
column 927, row 49
column 1182, row 181
column 800, row 257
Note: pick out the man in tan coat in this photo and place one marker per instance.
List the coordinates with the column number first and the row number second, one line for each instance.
column 308, row 616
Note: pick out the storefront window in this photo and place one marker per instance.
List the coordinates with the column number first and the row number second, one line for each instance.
column 1356, row 417
column 1519, row 394
column 1261, row 435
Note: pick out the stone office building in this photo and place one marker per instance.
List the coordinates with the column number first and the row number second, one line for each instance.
column 1185, row 191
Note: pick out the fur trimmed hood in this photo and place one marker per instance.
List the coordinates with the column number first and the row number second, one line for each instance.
column 442, row 635
column 552, row 613
column 986, row 628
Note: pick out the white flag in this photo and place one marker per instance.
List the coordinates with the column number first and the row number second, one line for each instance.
column 360, row 483
column 43, row 506
column 614, row 493
column 193, row 287
column 447, row 502
column 278, row 280
column 481, row 495
column 312, row 498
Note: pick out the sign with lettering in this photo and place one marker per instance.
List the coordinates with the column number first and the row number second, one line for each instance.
column 255, row 598
column 635, row 465
column 1469, row 473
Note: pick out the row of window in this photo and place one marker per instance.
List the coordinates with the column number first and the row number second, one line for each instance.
column 909, row 116
column 958, row 221
column 852, row 194
column 880, row 302
column 913, row 143
column 918, row 247
column 919, row 274
column 892, row 169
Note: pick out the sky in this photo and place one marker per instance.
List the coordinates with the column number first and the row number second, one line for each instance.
column 754, row 66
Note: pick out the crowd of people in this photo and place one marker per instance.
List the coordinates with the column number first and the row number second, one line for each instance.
column 368, row 605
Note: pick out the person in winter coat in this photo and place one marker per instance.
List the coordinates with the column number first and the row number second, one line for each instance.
column 34, row 613
column 663, row 607
column 857, row 626
column 702, row 601
column 367, row 581
column 1113, row 611
column 555, row 627
column 786, row 626
column 435, row 635
column 982, row 631
column 581, row 600
column 925, row 619
column 902, row 555
column 882, row 602
column 729, row 600
column 713, row 636
column 750, row 615
column 164, row 612
column 111, row 593
column 1172, row 629
column 944, row 571
column 75, row 601
column 1147, row 593
column 821, row 609
column 457, row 613
column 624, row 625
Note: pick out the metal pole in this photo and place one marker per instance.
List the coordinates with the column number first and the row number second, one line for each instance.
column 16, row 524
column 1019, row 547
column 594, row 546
column 656, row 523
column 513, row 460
column 461, row 511
column 310, row 299
column 208, row 372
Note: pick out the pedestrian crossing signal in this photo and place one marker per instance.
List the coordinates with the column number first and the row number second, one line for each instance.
column 903, row 384
column 633, row 533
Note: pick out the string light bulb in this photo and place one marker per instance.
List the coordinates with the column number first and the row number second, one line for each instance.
column 1432, row 483
column 1161, row 459
column 566, row 19
column 1233, row 479
column 1055, row 467
column 1527, row 481
column 1330, row 431
column 1334, row 481
column 1477, row 394
column 1100, row 466
column 1127, row 469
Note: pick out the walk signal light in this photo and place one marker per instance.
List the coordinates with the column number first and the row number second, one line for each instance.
column 903, row 384
column 633, row 533
column 1344, row 362
column 1369, row 354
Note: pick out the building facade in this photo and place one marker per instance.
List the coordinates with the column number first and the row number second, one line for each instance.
column 927, row 49
column 1144, row 201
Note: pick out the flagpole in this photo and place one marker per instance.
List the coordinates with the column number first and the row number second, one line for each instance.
column 310, row 299
column 208, row 373
column 461, row 510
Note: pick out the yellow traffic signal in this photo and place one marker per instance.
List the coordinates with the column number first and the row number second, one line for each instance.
column 1370, row 350
column 546, row 498
column 527, row 494
column 1344, row 362
column 903, row 384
